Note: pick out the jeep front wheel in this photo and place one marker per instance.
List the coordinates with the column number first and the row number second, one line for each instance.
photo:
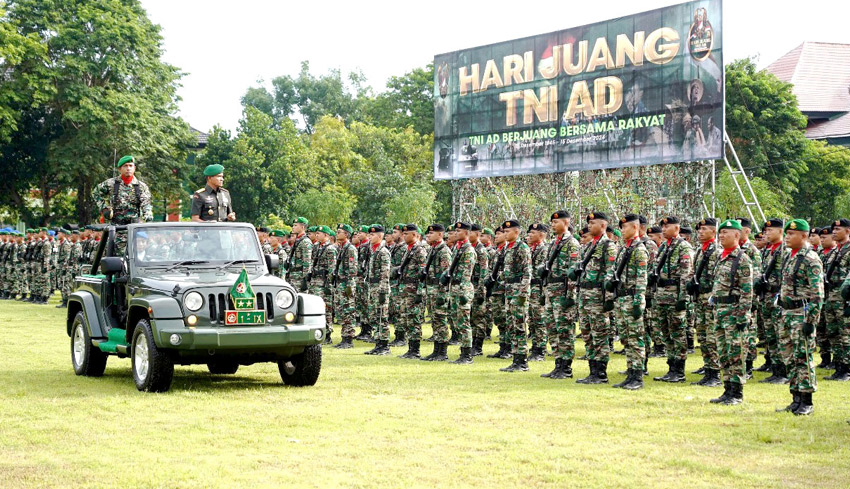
column 153, row 368
column 86, row 359
column 302, row 369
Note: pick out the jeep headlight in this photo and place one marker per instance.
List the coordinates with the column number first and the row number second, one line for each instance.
column 284, row 299
column 193, row 301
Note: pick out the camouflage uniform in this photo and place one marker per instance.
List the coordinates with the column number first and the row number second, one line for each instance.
column 411, row 291
column 321, row 273
column 561, row 297
column 650, row 322
column 603, row 254
column 64, row 261
column 496, row 303
column 42, row 269
column 802, row 297
column 751, row 333
column 516, row 274
column 361, row 302
column 438, row 299
column 538, row 319
column 345, row 276
column 461, row 290
column 771, row 312
column 822, row 339
column 837, row 327
column 396, row 256
column 669, row 299
column 732, row 295
column 631, row 297
column 378, row 283
column 300, row 263
column 706, row 258
column 282, row 258
column 129, row 203
column 478, row 315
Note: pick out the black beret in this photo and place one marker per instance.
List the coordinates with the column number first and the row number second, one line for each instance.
column 510, row 224
column 462, row 225
column 670, row 220
column 410, row 227
column 538, row 227
column 843, row 222
column 654, row 230
column 778, row 223
column 376, row 228
column 597, row 215
column 686, row 230
column 435, row 227
column 629, row 218
column 642, row 219
column 824, row 231
column 559, row 215
column 264, row 230
column 708, row 221
column 609, row 229
column 585, row 230
column 475, row 227
column 745, row 223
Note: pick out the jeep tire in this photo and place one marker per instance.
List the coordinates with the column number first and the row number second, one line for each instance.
column 223, row 367
column 87, row 359
column 153, row 368
column 302, row 369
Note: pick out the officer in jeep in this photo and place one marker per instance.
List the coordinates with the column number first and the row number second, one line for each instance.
column 213, row 202
column 124, row 199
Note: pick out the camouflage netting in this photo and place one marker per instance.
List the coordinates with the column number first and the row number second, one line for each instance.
column 654, row 191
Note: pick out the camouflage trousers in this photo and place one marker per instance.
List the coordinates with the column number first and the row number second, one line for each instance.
column 67, row 284
column 633, row 332
column 751, row 335
column 596, row 321
column 772, row 315
column 798, row 349
column 538, row 319
column 497, row 310
column 731, row 345
column 410, row 312
column 657, row 332
column 24, row 279
column 479, row 315
column 439, row 305
column 516, row 313
column 378, row 313
column 561, row 311
column 317, row 287
column 361, row 303
column 691, row 318
column 41, row 281
column 345, row 309
column 394, row 308
column 822, row 340
column 461, row 306
column 674, row 329
column 707, row 332
column 837, row 331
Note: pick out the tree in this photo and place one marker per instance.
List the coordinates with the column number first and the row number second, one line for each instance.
column 827, row 178
column 407, row 102
column 730, row 205
column 329, row 206
column 765, row 125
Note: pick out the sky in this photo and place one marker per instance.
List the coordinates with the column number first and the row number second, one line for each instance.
column 225, row 47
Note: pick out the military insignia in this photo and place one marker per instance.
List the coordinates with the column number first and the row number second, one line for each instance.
column 210, row 212
column 507, row 224
column 556, row 216
column 241, row 293
column 430, row 228
column 642, row 264
column 457, row 226
column 623, row 220
column 573, row 255
column 534, row 226
column 793, row 225
column 700, row 36
column 611, row 258
column 591, row 216
column 702, row 223
column 664, row 220
column 837, row 223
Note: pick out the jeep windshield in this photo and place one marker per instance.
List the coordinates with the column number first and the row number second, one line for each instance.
column 194, row 246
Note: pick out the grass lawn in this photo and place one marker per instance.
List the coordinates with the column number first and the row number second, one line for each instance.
column 387, row 422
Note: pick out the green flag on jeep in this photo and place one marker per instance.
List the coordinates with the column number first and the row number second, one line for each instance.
column 242, row 293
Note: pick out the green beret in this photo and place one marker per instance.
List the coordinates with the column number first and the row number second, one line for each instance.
column 617, row 233
column 489, row 232
column 277, row 233
column 398, row 227
column 345, row 227
column 730, row 224
column 797, row 225
column 42, row 229
column 364, row 229
column 3, row 233
column 331, row 232
column 125, row 159
column 311, row 229
column 30, row 230
column 301, row 220
column 213, row 170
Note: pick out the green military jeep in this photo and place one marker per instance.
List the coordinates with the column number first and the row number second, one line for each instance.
column 191, row 293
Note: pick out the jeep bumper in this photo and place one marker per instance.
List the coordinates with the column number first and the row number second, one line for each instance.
column 237, row 337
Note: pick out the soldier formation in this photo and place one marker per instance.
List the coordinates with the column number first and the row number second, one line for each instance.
column 657, row 290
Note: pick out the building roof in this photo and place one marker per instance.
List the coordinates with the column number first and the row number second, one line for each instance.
column 202, row 137
column 820, row 73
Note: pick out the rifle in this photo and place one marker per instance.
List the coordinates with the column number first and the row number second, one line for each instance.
column 831, row 270
column 693, row 284
column 656, row 274
column 577, row 272
column 615, row 282
column 445, row 279
column 398, row 272
column 760, row 285
column 423, row 275
column 493, row 279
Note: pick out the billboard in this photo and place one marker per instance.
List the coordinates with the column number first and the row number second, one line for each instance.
column 638, row 90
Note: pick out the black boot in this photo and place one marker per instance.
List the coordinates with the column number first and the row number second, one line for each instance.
column 443, row 355
column 465, row 357
column 749, row 369
column 626, row 381
column 22, row 298
column 506, row 354
column 554, row 370
column 825, row 360
column 636, row 382
column 690, row 343
column 736, row 396
column 498, row 354
column 328, row 340
column 795, row 403
column 699, row 371
column 670, row 372
column 373, row 351
column 412, row 350
column 714, row 380
column 806, row 407
column 774, row 369
column 521, row 363
column 477, row 346
column 564, row 371
column 399, row 339
column 779, row 375
column 365, row 333
column 382, row 347
column 680, row 371
column 706, row 373
column 345, row 344
column 727, row 391
column 455, row 339
column 592, row 378
column 601, row 373
column 767, row 366
column 844, row 376
column 512, row 367
column 658, row 351
column 434, row 354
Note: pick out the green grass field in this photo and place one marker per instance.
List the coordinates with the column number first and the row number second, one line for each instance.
column 387, row 422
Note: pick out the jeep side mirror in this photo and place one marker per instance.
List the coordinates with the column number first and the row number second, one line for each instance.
column 272, row 262
column 110, row 265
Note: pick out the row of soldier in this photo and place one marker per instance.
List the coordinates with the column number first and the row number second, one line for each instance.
column 36, row 263
column 642, row 284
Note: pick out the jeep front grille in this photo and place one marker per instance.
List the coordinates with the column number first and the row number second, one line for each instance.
column 222, row 302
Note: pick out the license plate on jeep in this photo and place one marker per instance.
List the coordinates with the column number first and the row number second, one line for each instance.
column 236, row 318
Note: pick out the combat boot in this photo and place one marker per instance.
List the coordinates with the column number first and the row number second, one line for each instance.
column 844, row 376
column 774, row 369
column 22, row 298
column 345, row 344
column 399, row 339
column 478, row 346
column 749, row 369
column 690, row 341
column 455, row 339
column 465, row 357
column 706, row 372
column 670, row 372
column 779, row 375
column 679, row 372
column 537, row 354
column 382, row 348
column 506, row 354
column 699, row 371
column 554, row 370
column 714, row 381
column 412, row 350
column 62, row 304
column 839, row 367
column 590, row 379
column 825, row 360
column 601, row 373
column 498, row 354
column 727, row 391
column 658, row 351
column 806, row 407
column 522, row 363
column 795, row 403
column 513, row 367
column 767, row 365
column 736, row 396
column 625, row 381
column 373, row 351
column 566, row 371
column 636, row 382
column 365, row 332
column 443, row 352
column 434, row 354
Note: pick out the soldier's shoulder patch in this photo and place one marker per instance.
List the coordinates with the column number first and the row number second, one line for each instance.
column 611, row 258
column 642, row 264
column 199, row 190
column 686, row 256
column 573, row 255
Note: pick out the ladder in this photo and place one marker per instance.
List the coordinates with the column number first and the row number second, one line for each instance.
column 748, row 197
column 605, row 191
